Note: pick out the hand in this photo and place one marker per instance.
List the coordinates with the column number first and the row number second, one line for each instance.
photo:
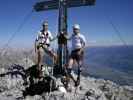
column 65, row 36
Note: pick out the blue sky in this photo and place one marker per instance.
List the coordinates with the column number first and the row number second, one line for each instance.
column 94, row 22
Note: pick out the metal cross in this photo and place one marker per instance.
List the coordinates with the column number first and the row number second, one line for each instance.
column 62, row 6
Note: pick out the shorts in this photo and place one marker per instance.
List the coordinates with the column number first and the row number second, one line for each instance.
column 76, row 56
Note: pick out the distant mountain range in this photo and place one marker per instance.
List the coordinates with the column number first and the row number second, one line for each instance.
column 114, row 63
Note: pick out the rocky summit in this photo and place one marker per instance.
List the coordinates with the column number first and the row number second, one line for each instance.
column 14, row 87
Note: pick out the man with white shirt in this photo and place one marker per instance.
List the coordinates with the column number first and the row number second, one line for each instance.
column 78, row 45
column 42, row 45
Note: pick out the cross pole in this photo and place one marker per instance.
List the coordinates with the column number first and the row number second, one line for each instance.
column 62, row 6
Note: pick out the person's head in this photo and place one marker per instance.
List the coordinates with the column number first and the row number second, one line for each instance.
column 76, row 29
column 45, row 25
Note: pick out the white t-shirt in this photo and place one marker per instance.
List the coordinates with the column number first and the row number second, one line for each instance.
column 78, row 41
column 44, row 37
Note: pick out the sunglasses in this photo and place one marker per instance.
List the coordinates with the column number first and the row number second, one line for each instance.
column 75, row 29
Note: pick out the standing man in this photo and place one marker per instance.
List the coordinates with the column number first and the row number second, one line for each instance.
column 42, row 45
column 78, row 45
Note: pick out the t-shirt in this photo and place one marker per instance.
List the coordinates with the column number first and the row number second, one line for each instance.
column 78, row 41
column 44, row 37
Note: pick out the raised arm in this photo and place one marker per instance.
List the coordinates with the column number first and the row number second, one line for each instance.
column 51, row 38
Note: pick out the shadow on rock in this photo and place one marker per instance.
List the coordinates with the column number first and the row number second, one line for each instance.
column 43, row 85
column 46, row 85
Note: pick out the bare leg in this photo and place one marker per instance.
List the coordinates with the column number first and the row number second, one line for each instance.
column 40, row 56
column 69, row 66
column 51, row 53
column 70, row 63
column 68, row 73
